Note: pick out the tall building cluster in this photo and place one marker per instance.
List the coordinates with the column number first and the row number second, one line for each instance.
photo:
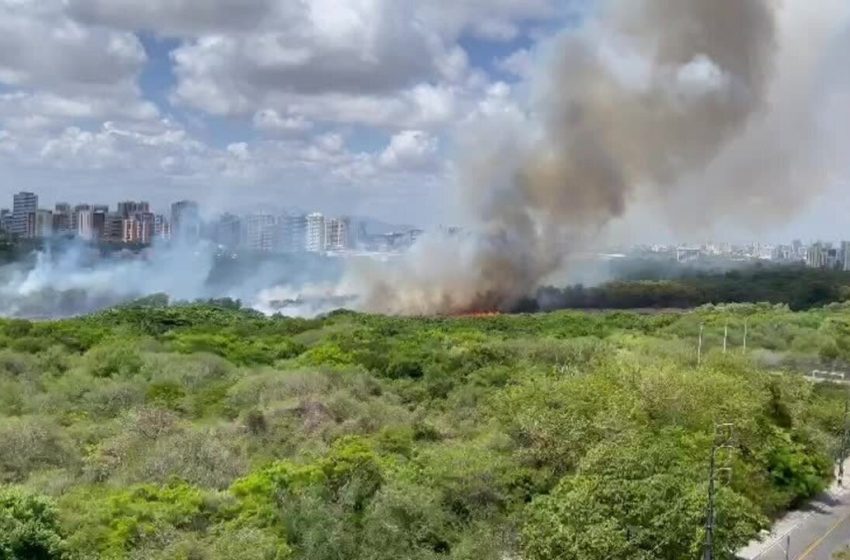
column 819, row 254
column 288, row 233
column 131, row 223
column 826, row 255
column 134, row 223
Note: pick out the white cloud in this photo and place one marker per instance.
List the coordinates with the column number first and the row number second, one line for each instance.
column 45, row 110
column 269, row 120
column 519, row 63
column 410, row 150
column 358, row 48
column 41, row 47
column 304, row 74
column 173, row 17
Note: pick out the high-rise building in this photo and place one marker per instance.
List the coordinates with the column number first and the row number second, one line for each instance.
column 75, row 216
column 844, row 256
column 161, row 227
column 99, row 214
column 227, row 231
column 23, row 205
column 62, row 219
column 113, row 228
column 85, row 224
column 6, row 220
column 260, row 232
column 43, row 224
column 185, row 221
column 817, row 256
column 315, row 242
column 338, row 234
column 292, row 229
column 138, row 229
column 130, row 208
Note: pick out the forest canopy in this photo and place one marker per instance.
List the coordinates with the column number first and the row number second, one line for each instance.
column 207, row 431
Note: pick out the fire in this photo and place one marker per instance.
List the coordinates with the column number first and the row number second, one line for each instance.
column 478, row 314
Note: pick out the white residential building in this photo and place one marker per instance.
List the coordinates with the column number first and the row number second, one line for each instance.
column 316, row 233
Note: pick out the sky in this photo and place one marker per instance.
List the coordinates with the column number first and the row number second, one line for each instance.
column 337, row 105
column 342, row 106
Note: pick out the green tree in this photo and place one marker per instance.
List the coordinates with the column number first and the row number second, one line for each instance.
column 29, row 529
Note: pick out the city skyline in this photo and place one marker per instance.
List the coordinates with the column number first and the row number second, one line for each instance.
column 136, row 222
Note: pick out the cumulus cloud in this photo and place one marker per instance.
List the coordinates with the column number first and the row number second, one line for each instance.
column 410, row 150
column 353, row 50
column 173, row 17
column 41, row 47
column 269, row 120
column 294, row 78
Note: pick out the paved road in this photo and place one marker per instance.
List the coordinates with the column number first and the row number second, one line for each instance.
column 816, row 532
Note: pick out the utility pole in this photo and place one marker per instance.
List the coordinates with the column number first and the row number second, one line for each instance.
column 842, row 454
column 746, row 324
column 725, row 335
column 722, row 441
column 699, row 346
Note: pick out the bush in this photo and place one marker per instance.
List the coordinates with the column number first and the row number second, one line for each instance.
column 30, row 444
column 108, row 524
column 114, row 359
column 29, row 529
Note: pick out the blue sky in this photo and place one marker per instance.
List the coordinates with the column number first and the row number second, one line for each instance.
column 342, row 105
column 345, row 106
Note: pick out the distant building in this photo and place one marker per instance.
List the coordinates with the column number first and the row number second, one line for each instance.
column 185, row 221
column 816, row 255
column 99, row 214
column 227, row 231
column 292, row 229
column 783, row 254
column 85, row 224
column 687, row 254
column 24, row 205
column 62, row 219
column 130, row 208
column 315, row 233
column 6, row 220
column 338, row 234
column 43, row 224
column 161, row 227
column 138, row 229
column 75, row 216
column 113, row 228
column 844, row 256
column 260, row 232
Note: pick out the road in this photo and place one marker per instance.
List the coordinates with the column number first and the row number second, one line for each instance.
column 816, row 532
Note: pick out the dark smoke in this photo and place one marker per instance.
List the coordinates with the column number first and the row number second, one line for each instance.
column 658, row 99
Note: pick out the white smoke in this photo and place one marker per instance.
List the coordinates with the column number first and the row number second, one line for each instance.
column 74, row 278
column 704, row 108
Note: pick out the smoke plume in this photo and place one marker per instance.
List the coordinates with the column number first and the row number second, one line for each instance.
column 69, row 279
column 668, row 100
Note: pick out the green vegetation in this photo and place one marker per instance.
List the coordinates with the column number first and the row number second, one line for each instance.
column 657, row 287
column 209, row 432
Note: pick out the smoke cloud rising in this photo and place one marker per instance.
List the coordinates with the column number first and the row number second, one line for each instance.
column 73, row 278
column 706, row 108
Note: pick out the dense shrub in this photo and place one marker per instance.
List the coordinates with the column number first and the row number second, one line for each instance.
column 209, row 432
column 29, row 528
